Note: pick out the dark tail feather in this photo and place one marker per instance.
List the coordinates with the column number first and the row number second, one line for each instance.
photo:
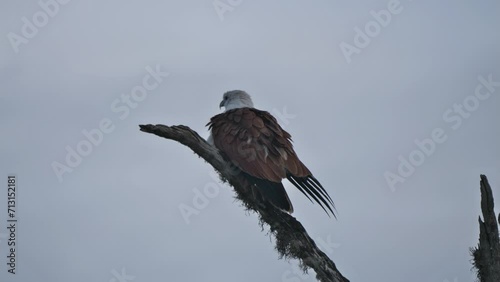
column 310, row 186
column 273, row 192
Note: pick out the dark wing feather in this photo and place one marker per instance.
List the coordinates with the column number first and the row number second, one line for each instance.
column 245, row 138
column 255, row 142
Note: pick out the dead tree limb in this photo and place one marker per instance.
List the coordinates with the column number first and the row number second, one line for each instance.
column 486, row 257
column 292, row 240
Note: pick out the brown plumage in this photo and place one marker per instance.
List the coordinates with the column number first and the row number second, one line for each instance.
column 255, row 142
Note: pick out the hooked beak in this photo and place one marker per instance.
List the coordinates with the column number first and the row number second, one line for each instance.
column 221, row 104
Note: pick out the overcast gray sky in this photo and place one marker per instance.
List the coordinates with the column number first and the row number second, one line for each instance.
column 394, row 106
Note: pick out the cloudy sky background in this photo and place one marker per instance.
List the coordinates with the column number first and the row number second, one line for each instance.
column 119, row 209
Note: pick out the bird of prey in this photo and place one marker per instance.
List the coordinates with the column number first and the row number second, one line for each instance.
column 254, row 142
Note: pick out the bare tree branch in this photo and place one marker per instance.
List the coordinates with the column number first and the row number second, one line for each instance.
column 292, row 240
column 487, row 254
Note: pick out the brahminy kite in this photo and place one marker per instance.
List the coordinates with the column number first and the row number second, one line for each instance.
column 254, row 142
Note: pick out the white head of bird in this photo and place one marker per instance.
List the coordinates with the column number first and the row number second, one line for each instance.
column 236, row 99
